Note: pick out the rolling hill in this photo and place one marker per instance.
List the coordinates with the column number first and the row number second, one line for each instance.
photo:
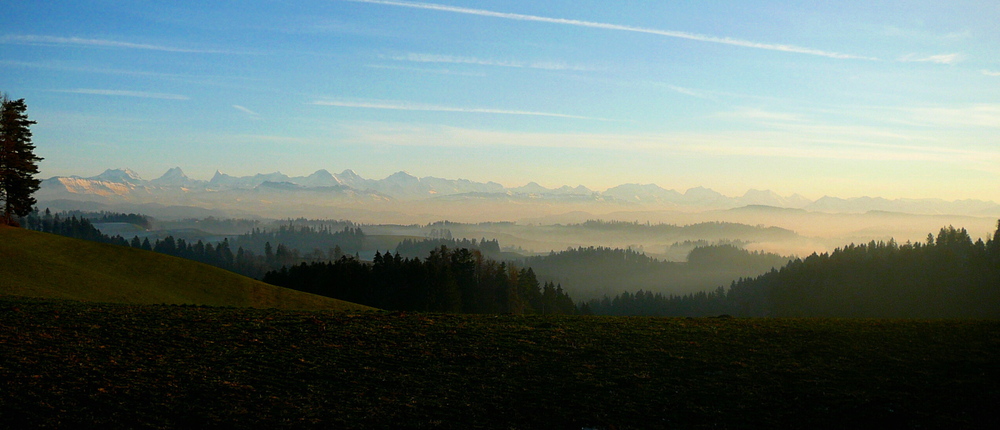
column 44, row 265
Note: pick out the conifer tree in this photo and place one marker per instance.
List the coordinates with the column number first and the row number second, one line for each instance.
column 18, row 163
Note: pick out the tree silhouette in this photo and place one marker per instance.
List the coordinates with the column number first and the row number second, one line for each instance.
column 18, row 163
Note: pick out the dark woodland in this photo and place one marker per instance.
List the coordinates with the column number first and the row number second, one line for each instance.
column 448, row 280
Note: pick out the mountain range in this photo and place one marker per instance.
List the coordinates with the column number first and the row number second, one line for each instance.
column 323, row 188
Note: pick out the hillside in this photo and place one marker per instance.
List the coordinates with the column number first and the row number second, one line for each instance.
column 38, row 264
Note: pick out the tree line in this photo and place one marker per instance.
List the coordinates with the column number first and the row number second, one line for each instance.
column 94, row 217
column 251, row 254
column 221, row 255
column 416, row 248
column 314, row 242
column 946, row 276
column 647, row 303
column 448, row 280
column 592, row 272
column 66, row 225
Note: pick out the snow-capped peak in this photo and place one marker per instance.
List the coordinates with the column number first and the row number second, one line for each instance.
column 122, row 176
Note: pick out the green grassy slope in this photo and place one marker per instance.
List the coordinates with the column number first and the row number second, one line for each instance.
column 38, row 264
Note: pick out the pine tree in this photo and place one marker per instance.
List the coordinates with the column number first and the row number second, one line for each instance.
column 18, row 163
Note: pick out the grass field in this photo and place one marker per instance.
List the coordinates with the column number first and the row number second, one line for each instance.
column 45, row 265
column 65, row 364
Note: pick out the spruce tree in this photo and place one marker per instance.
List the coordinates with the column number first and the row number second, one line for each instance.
column 18, row 163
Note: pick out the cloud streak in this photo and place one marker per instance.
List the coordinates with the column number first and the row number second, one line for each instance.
column 450, row 59
column 390, row 105
column 761, row 115
column 937, row 59
column 120, row 93
column 245, row 110
column 687, row 91
column 617, row 27
column 422, row 70
column 991, row 73
column 64, row 68
column 96, row 43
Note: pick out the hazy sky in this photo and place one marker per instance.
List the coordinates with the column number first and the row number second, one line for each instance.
column 887, row 98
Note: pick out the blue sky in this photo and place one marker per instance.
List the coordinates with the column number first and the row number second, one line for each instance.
column 899, row 99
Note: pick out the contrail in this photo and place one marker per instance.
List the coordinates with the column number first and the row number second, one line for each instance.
column 606, row 26
column 78, row 41
column 142, row 94
column 433, row 108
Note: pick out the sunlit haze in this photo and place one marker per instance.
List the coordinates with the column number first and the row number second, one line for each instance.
column 890, row 99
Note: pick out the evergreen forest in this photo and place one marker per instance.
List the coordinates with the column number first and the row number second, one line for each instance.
column 947, row 276
column 448, row 280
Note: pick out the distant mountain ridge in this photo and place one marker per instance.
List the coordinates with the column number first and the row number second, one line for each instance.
column 174, row 187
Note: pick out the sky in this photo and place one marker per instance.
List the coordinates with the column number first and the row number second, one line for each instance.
column 898, row 99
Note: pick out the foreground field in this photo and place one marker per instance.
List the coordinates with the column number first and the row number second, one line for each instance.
column 66, row 364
